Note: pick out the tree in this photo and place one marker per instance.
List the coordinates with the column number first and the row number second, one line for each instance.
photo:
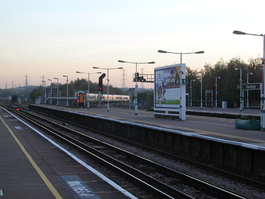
column 36, row 93
column 145, row 99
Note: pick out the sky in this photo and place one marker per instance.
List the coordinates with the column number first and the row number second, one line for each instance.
column 51, row 38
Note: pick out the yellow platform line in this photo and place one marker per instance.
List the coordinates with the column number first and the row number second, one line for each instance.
column 39, row 171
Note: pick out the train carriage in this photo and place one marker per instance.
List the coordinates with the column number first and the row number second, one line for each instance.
column 93, row 98
column 81, row 98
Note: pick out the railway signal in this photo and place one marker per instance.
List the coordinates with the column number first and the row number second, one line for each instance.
column 100, row 86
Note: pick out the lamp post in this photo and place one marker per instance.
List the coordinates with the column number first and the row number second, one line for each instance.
column 180, row 53
column 51, row 90
column 44, row 91
column 201, row 87
column 88, row 84
column 192, row 80
column 136, row 86
column 247, row 90
column 241, row 97
column 67, row 103
column 57, row 91
column 107, row 82
column 216, row 91
column 263, row 75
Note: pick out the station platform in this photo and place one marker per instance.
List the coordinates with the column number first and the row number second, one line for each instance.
column 232, row 111
column 216, row 127
column 33, row 167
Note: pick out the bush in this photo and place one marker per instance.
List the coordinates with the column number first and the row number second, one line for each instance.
column 243, row 117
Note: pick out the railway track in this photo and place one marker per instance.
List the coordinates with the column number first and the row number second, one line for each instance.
column 161, row 181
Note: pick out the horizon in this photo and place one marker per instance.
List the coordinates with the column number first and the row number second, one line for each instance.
column 49, row 39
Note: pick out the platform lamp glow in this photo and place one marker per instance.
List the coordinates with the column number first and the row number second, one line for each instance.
column 88, row 84
column 262, row 111
column 135, row 76
column 107, row 81
column 67, row 103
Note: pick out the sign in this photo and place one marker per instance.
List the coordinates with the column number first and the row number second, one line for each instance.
column 251, row 86
column 170, row 91
column 167, row 87
column 181, row 81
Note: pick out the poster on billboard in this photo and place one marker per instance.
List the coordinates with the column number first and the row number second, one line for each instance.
column 170, row 89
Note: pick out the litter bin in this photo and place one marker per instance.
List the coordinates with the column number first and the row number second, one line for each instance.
column 224, row 104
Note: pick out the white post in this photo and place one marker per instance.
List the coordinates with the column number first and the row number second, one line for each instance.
column 67, row 104
column 191, row 92
column 87, row 102
column 247, row 89
column 57, row 92
column 201, row 90
column 216, row 102
column 263, row 84
column 135, row 92
column 241, row 97
column 45, row 92
column 183, row 93
column 107, row 89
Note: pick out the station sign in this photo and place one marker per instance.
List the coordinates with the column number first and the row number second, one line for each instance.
column 252, row 86
column 181, row 81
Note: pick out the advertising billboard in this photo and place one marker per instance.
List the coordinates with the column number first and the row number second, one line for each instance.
column 170, row 90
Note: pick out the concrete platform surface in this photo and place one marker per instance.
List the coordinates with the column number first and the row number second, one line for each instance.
column 221, row 128
column 32, row 167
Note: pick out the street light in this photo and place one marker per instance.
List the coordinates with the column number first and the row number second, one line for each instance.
column 263, row 75
column 201, row 87
column 51, row 91
column 107, row 82
column 67, row 103
column 136, row 86
column 181, row 53
column 241, row 97
column 216, row 90
column 57, row 91
column 45, row 91
column 88, row 84
column 192, row 80
column 247, row 90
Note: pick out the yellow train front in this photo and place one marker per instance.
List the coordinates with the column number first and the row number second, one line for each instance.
column 81, row 99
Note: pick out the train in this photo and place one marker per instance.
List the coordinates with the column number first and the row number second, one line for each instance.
column 81, row 99
column 93, row 98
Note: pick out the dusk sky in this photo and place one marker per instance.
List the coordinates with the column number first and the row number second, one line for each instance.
column 52, row 38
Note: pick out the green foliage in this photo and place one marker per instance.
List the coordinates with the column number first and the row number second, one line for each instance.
column 36, row 93
column 243, row 117
column 145, row 99
column 227, row 90
column 227, row 85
